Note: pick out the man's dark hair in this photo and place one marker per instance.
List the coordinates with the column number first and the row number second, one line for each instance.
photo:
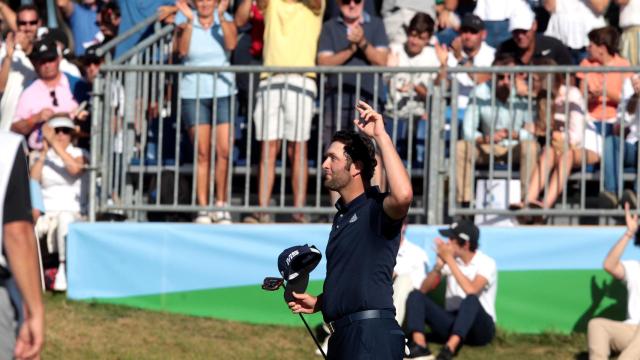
column 503, row 59
column 29, row 7
column 358, row 149
column 421, row 23
column 108, row 9
column 473, row 243
column 607, row 36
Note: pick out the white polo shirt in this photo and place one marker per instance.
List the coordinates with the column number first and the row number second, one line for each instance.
column 412, row 260
column 484, row 58
column 632, row 280
column 480, row 264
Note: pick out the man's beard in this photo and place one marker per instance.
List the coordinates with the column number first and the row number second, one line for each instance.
column 502, row 93
column 336, row 183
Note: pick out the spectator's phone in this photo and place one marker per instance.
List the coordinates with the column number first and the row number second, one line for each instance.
column 636, row 241
column 80, row 108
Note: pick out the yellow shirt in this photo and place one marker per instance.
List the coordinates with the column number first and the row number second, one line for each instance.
column 291, row 34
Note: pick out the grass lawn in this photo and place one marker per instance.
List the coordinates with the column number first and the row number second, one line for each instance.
column 79, row 330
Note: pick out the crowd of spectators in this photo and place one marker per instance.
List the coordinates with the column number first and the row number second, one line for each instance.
column 46, row 75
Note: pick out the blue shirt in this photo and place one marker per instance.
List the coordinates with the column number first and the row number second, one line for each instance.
column 479, row 115
column 133, row 12
column 333, row 38
column 83, row 26
column 361, row 254
column 206, row 49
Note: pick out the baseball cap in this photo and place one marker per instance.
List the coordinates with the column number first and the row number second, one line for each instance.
column 473, row 22
column 91, row 55
column 61, row 122
column 295, row 264
column 45, row 49
column 521, row 20
column 464, row 229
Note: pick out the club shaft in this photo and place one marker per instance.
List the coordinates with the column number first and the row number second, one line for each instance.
column 314, row 338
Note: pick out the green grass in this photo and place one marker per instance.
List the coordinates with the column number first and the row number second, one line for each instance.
column 82, row 330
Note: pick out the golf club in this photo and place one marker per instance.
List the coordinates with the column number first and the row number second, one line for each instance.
column 273, row 284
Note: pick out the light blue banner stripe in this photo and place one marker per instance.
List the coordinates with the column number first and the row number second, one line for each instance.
column 127, row 259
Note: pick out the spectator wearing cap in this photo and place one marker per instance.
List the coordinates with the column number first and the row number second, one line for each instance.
column 16, row 69
column 469, row 313
column 408, row 91
column 496, row 123
column 285, row 102
column 607, row 335
column 571, row 21
column 59, row 169
column 470, row 50
column 62, row 41
column 50, row 94
column 496, row 15
column 82, row 21
column 526, row 44
column 630, row 24
column 397, row 14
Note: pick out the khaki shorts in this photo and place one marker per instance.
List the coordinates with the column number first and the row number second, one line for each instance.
column 284, row 108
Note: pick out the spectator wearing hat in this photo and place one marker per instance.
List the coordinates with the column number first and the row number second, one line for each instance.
column 397, row 14
column 50, row 94
column 469, row 313
column 62, row 41
column 469, row 50
column 605, row 335
column 82, row 21
column 16, row 69
column 526, row 44
column 571, row 21
column 59, row 169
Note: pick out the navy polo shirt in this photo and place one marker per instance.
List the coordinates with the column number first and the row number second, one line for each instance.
column 333, row 38
column 546, row 46
column 361, row 254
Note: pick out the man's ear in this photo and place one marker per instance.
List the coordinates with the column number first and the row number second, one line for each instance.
column 356, row 168
column 534, row 26
column 483, row 35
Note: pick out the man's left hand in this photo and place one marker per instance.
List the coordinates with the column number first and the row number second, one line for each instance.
column 371, row 122
column 355, row 35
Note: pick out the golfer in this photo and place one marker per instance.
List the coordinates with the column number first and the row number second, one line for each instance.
column 357, row 299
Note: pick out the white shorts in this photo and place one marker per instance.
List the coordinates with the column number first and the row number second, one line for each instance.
column 284, row 108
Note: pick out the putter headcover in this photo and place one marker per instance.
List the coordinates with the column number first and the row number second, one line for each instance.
column 295, row 264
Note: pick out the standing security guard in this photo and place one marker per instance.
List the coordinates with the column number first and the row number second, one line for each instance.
column 357, row 298
column 20, row 266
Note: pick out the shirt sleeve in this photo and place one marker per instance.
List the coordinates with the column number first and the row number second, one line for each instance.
column 631, row 271
column 471, row 120
column 17, row 202
column 487, row 269
column 22, row 109
column 325, row 45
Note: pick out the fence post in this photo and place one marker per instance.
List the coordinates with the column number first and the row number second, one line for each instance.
column 433, row 172
column 96, row 136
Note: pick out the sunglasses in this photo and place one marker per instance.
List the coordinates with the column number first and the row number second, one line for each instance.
column 272, row 283
column 31, row 23
column 54, row 99
column 63, row 130
column 347, row 2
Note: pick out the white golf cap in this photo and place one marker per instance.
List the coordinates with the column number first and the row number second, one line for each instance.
column 60, row 122
column 521, row 19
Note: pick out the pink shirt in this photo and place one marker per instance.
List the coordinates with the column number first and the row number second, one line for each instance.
column 38, row 96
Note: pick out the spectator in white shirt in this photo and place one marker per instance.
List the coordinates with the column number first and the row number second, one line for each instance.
column 623, row 337
column 630, row 24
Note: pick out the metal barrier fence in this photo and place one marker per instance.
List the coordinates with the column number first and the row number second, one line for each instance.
column 142, row 158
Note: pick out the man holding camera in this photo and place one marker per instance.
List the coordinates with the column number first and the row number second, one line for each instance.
column 605, row 335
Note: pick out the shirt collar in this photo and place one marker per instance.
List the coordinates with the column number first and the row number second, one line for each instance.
column 359, row 200
column 365, row 18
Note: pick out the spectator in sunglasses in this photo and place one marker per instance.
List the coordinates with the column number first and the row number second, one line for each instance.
column 82, row 21
column 16, row 70
column 49, row 94
column 59, row 168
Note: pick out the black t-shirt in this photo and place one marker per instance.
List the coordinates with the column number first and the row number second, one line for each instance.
column 545, row 47
column 361, row 254
column 17, row 201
